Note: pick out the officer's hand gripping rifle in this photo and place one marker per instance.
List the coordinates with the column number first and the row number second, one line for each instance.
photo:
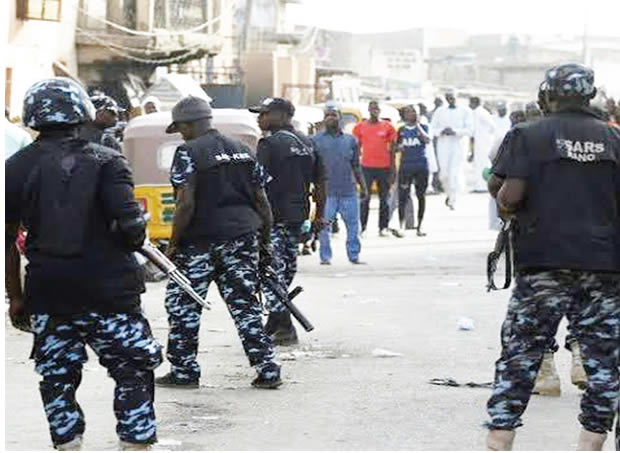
column 152, row 253
column 503, row 245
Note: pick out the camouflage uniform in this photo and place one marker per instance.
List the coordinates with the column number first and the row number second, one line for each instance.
column 284, row 240
column 73, row 301
column 538, row 303
column 125, row 347
column 233, row 265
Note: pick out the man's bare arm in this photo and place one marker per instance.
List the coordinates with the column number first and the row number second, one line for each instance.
column 359, row 177
column 511, row 194
column 494, row 184
column 423, row 135
column 183, row 213
column 264, row 211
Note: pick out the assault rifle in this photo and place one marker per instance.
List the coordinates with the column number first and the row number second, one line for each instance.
column 503, row 246
column 267, row 280
column 152, row 253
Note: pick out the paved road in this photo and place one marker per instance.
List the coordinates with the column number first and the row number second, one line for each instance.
column 338, row 395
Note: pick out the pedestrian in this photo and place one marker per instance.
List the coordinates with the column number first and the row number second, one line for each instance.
column 377, row 139
column 495, row 223
column 101, row 129
column 413, row 141
column 451, row 124
column 340, row 153
column 437, row 102
column 502, row 119
column 424, row 114
column 221, row 219
column 151, row 104
column 436, row 182
column 484, row 135
column 290, row 159
column 83, row 283
column 565, row 198
column 532, row 111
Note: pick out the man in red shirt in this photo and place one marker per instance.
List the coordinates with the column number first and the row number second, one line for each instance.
column 377, row 139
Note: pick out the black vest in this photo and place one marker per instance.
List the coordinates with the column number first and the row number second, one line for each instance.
column 224, row 195
column 291, row 164
column 570, row 219
column 76, row 263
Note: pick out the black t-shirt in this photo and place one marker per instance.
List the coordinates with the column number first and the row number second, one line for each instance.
column 106, row 276
column 290, row 159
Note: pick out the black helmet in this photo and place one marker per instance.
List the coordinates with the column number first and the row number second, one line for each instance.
column 571, row 80
column 56, row 101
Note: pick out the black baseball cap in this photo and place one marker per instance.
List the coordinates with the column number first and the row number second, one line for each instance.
column 274, row 105
column 188, row 109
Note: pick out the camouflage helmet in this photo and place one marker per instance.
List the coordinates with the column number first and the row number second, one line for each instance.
column 56, row 101
column 571, row 80
column 103, row 102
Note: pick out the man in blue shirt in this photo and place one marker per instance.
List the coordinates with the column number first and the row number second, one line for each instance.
column 340, row 153
column 414, row 165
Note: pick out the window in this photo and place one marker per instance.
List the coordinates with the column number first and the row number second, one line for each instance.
column 165, row 155
column 39, row 9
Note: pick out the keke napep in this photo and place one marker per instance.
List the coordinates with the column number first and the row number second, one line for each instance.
column 150, row 152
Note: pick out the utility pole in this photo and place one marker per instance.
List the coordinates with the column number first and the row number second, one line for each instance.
column 584, row 45
column 243, row 39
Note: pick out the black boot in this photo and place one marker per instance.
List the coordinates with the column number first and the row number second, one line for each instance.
column 271, row 324
column 284, row 333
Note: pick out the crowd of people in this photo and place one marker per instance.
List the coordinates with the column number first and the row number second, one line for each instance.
column 240, row 215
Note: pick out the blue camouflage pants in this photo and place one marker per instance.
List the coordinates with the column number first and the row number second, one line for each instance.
column 124, row 345
column 538, row 303
column 284, row 239
column 233, row 265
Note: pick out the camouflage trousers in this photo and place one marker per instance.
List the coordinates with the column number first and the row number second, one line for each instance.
column 233, row 265
column 538, row 303
column 124, row 345
column 284, row 241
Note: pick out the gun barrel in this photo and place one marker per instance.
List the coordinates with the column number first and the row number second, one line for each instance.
column 182, row 281
column 160, row 260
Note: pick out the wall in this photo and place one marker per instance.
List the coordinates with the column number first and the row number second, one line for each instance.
column 34, row 45
column 259, row 80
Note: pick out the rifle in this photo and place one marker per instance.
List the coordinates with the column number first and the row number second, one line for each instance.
column 503, row 245
column 152, row 253
column 267, row 279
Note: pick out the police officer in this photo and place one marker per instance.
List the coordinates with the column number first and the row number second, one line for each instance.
column 561, row 180
column 548, row 379
column 222, row 214
column 102, row 129
column 290, row 159
column 83, row 283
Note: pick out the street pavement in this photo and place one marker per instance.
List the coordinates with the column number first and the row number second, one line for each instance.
column 340, row 390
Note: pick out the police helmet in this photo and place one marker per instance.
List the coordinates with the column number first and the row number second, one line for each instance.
column 571, row 80
column 104, row 102
column 56, row 101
